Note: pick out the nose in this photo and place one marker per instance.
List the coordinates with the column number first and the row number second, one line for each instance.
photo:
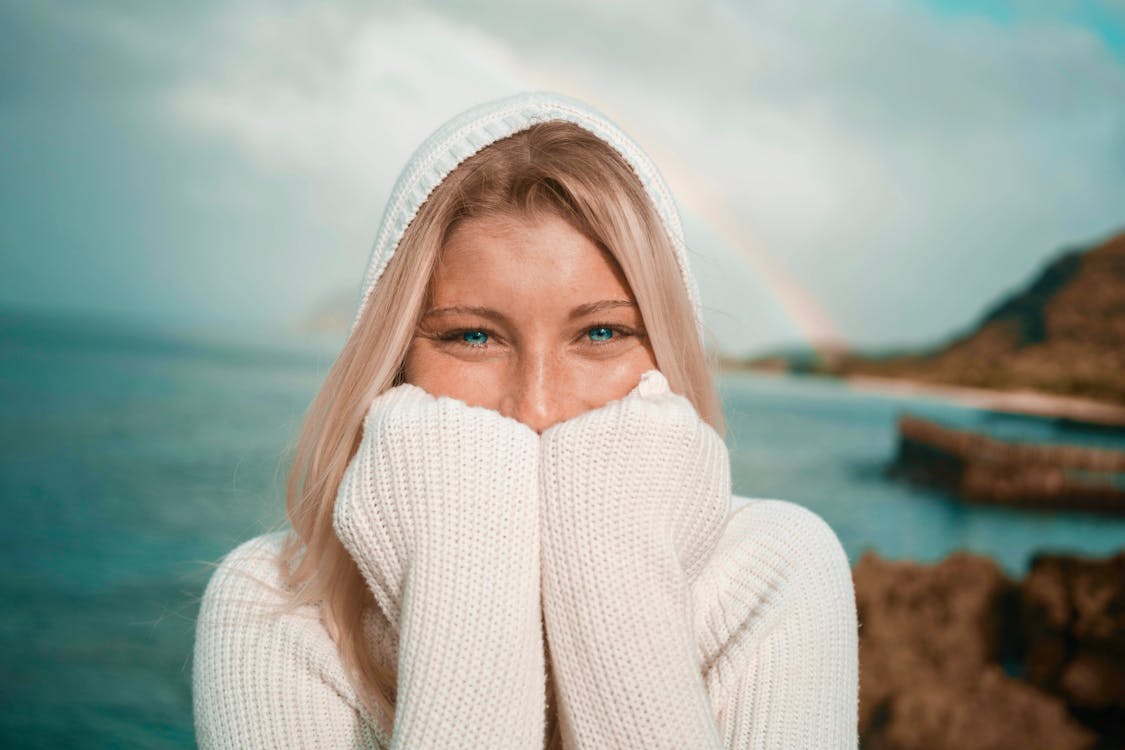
column 537, row 393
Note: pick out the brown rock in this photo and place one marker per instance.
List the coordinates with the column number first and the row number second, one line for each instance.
column 923, row 624
column 931, row 638
column 1073, row 618
column 993, row 712
column 1061, row 332
column 1090, row 680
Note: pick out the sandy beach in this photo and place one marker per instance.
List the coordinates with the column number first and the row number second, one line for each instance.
column 1016, row 402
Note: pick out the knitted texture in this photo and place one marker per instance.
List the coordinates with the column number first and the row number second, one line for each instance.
column 773, row 627
column 267, row 678
column 439, row 508
column 607, row 543
column 775, row 624
column 633, row 493
column 470, row 131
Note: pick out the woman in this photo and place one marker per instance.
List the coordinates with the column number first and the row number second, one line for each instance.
column 510, row 504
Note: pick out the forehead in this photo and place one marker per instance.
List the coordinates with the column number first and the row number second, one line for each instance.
column 524, row 259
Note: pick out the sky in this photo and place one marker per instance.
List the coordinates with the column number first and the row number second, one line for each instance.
column 868, row 173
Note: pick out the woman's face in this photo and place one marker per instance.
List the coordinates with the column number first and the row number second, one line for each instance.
column 530, row 318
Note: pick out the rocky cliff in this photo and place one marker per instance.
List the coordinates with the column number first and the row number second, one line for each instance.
column 1062, row 333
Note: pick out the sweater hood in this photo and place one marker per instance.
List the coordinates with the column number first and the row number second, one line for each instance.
column 470, row 131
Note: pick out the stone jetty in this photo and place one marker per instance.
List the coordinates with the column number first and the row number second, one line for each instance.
column 982, row 469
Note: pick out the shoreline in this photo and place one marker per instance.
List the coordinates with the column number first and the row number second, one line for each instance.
column 1028, row 402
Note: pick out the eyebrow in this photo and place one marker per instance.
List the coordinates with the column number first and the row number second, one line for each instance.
column 594, row 307
column 487, row 312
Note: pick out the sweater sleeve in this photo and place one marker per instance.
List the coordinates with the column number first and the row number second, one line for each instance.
column 263, row 678
column 775, row 621
column 438, row 508
column 620, row 486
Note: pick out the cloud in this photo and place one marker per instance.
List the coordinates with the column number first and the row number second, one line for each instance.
column 900, row 163
column 906, row 166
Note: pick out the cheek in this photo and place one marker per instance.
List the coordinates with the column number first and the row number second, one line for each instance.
column 439, row 375
column 610, row 380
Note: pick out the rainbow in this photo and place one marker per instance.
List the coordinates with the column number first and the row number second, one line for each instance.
column 703, row 199
column 699, row 196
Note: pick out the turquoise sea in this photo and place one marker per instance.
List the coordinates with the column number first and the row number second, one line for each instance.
column 130, row 459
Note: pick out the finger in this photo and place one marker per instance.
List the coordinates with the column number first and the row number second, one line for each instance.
column 653, row 389
column 652, row 383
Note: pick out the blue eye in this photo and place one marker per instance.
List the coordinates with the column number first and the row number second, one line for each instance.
column 601, row 333
column 475, row 337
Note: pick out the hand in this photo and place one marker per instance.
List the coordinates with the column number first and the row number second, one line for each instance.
column 436, row 485
column 439, row 509
column 635, row 495
column 644, row 464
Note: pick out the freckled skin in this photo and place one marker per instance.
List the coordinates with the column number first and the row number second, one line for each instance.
column 537, row 365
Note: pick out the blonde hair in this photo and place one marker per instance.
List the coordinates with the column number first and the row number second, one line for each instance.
column 553, row 167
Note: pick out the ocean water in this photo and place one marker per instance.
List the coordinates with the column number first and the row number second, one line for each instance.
column 130, row 461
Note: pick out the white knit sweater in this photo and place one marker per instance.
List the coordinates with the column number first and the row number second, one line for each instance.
column 667, row 620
